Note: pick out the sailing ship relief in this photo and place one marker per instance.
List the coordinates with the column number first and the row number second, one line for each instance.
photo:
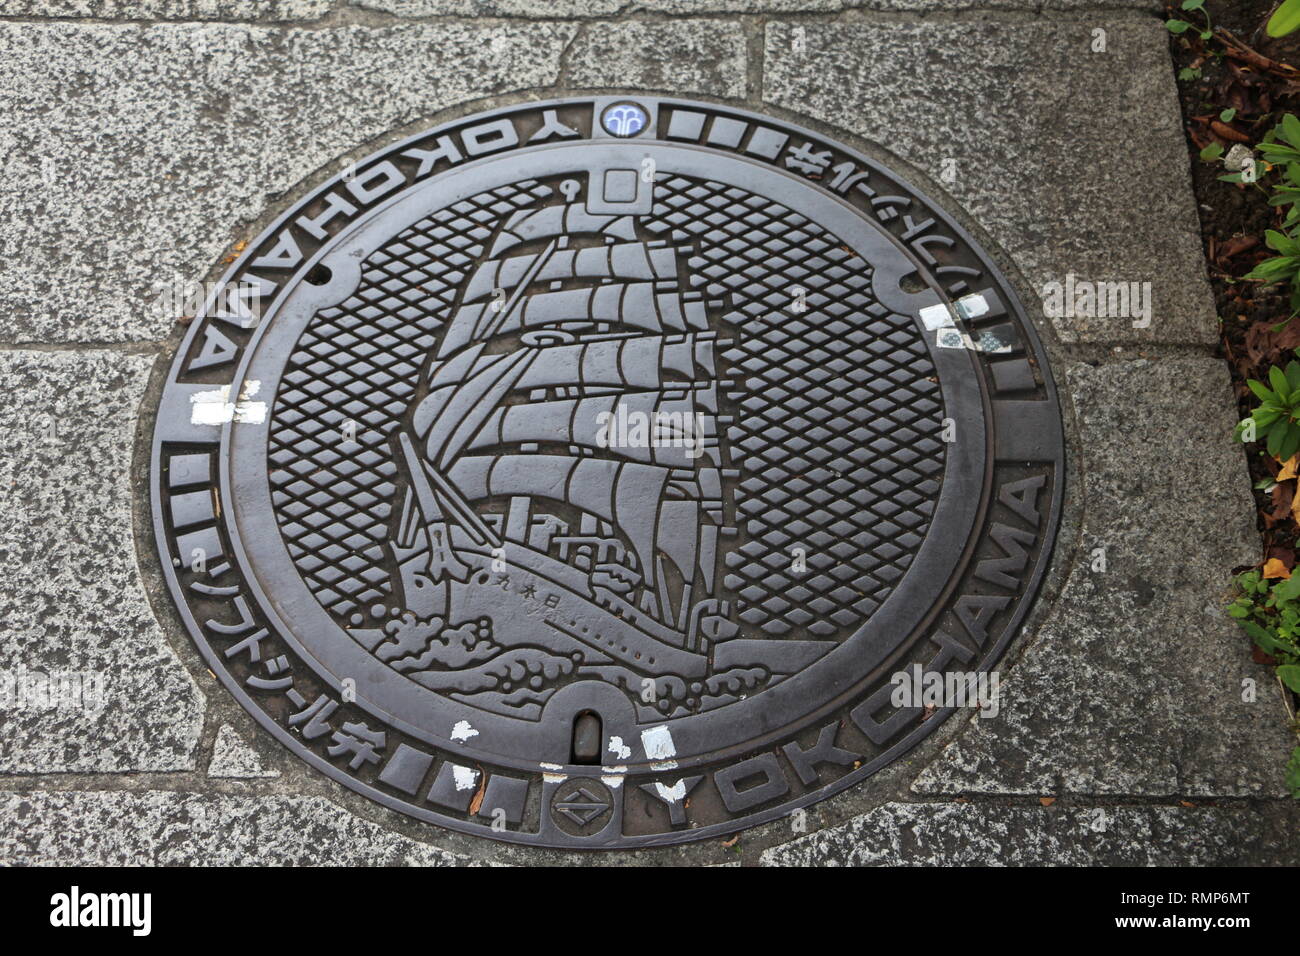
column 566, row 508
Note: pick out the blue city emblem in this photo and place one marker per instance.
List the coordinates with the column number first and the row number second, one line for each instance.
column 624, row 119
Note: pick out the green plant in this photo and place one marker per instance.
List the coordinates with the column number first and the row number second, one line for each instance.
column 1281, row 150
column 1276, row 422
column 1269, row 611
column 1182, row 26
column 1285, row 19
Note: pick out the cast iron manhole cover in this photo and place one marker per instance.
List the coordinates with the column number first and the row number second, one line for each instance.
column 581, row 473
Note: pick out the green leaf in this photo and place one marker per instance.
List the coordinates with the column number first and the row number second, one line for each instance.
column 1273, row 270
column 1277, row 381
column 1290, row 443
column 1212, row 152
column 1189, row 73
column 1177, row 26
column 1193, row 4
column 1281, row 242
column 1286, row 19
column 1261, row 637
column 1274, row 441
column 1277, row 152
column 1290, row 675
column 1287, row 590
column 1260, row 389
column 1291, row 129
column 1229, row 114
column 1293, row 773
column 1293, row 374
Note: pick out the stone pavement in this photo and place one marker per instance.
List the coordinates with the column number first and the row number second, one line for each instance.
column 142, row 141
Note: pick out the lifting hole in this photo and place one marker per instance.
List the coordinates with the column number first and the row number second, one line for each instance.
column 912, row 283
column 319, row 274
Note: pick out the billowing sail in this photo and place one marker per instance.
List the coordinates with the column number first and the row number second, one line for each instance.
column 633, row 306
column 634, row 261
column 575, row 391
column 678, row 425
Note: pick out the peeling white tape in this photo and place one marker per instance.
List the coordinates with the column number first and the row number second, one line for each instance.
column 612, row 782
column 941, row 317
column 936, row 317
column 988, row 341
column 466, row 778
column 972, row 306
column 659, row 747
column 215, row 407
column 619, row 749
column 463, row 731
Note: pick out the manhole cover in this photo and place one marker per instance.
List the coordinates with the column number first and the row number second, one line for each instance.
column 583, row 473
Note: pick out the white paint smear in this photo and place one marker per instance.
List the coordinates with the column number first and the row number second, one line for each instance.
column 619, row 749
column 466, row 778
column 463, row 731
column 215, row 407
column 672, row 794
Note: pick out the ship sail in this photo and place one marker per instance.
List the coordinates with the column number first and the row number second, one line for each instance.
column 681, row 436
column 576, row 384
column 619, row 260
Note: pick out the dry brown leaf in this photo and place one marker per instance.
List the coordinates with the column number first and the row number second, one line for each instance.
column 239, row 247
column 1273, row 568
column 477, row 802
column 1288, row 468
column 1047, row 801
column 1283, row 553
column 1283, row 500
column 1227, row 132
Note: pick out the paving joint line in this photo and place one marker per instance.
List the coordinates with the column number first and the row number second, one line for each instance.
column 562, row 62
column 140, row 347
column 198, row 783
column 375, row 19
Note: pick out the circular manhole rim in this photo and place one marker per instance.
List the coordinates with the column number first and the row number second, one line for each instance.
column 842, row 142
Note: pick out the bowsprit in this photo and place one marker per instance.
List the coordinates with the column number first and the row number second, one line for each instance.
column 584, row 473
